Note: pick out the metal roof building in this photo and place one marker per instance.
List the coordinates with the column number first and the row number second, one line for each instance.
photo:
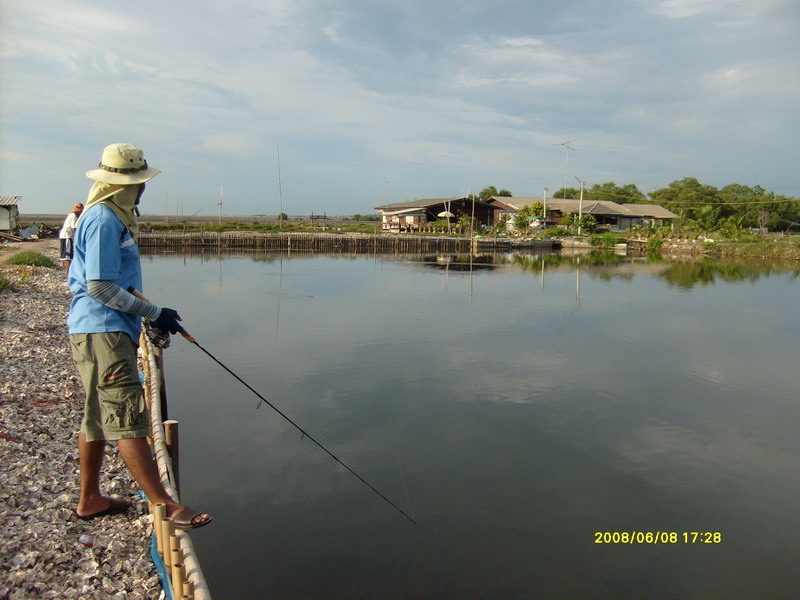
column 9, row 212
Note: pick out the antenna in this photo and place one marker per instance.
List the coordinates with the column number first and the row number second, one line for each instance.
column 566, row 168
column 220, row 204
column 280, row 189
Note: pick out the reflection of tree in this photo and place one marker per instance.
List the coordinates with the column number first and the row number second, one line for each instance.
column 589, row 259
column 706, row 272
column 459, row 262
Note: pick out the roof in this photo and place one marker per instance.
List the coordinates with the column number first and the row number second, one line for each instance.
column 591, row 207
column 419, row 203
column 10, row 200
column 424, row 203
column 651, row 210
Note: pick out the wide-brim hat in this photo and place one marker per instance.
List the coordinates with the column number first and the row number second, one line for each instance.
column 123, row 164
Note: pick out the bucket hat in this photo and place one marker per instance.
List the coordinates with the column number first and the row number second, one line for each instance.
column 123, row 164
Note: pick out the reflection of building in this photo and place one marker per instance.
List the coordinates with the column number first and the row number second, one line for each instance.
column 611, row 215
column 9, row 212
column 413, row 216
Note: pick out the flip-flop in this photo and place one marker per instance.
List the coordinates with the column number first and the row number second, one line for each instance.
column 182, row 519
column 116, row 507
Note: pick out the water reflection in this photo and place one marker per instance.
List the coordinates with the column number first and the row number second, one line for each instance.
column 515, row 411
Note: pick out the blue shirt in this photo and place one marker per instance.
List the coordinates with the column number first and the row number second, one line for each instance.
column 104, row 250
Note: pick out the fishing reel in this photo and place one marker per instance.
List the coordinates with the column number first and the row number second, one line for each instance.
column 159, row 338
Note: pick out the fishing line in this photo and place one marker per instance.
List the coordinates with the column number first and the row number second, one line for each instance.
column 301, row 430
column 402, row 475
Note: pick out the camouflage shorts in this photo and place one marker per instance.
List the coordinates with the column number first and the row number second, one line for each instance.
column 115, row 408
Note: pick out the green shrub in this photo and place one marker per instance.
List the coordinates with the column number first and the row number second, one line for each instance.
column 654, row 244
column 604, row 240
column 33, row 259
column 557, row 231
column 5, row 284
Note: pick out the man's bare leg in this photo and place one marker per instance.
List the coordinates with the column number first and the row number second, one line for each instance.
column 136, row 454
column 91, row 501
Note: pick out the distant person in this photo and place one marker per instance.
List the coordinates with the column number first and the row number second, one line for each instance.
column 66, row 233
column 104, row 324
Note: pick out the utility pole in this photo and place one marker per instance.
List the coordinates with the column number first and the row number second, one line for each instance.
column 544, row 209
column 580, row 207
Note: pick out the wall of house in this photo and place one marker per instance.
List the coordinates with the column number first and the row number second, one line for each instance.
column 7, row 218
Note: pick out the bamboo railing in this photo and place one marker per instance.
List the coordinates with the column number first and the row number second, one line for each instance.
column 175, row 547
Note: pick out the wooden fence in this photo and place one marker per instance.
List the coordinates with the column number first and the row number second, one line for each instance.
column 329, row 242
column 314, row 242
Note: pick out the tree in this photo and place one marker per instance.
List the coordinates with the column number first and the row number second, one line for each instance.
column 536, row 209
column 568, row 193
column 707, row 217
column 521, row 222
column 688, row 193
column 490, row 191
column 467, row 223
column 587, row 223
column 627, row 194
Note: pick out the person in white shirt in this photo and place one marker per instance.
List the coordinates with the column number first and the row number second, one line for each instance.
column 66, row 233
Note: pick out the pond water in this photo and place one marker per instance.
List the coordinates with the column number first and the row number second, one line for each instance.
column 522, row 410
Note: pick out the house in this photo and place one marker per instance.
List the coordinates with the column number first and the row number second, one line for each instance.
column 9, row 213
column 412, row 216
column 610, row 215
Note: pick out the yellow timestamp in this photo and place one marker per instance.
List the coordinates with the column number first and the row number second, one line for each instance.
column 657, row 537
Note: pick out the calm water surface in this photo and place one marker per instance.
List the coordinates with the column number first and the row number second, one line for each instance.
column 515, row 410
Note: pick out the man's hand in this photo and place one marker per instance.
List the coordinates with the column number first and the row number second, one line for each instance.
column 168, row 321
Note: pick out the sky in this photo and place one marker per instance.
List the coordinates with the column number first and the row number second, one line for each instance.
column 339, row 106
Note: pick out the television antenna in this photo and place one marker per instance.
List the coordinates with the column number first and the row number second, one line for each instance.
column 280, row 189
column 221, row 194
column 567, row 149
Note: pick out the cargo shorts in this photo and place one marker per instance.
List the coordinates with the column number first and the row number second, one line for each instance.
column 115, row 408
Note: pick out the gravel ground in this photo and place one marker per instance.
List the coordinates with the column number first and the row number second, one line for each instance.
column 41, row 399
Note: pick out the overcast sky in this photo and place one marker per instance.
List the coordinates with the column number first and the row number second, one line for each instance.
column 392, row 100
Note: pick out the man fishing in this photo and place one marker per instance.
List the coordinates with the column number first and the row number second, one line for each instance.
column 104, row 324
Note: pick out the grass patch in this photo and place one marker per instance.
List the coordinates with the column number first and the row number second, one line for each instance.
column 5, row 283
column 32, row 259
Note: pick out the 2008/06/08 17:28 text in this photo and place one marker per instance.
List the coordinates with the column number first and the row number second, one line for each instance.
column 657, row 537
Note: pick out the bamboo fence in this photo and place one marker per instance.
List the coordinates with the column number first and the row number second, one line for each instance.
column 175, row 546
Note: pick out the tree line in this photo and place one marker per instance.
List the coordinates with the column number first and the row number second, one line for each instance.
column 704, row 206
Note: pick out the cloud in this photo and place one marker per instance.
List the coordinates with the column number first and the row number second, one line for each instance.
column 234, row 143
column 423, row 95
column 681, row 9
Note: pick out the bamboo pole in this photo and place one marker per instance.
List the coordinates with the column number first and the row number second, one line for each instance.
column 178, row 577
column 176, row 556
column 172, row 439
column 159, row 514
column 166, row 531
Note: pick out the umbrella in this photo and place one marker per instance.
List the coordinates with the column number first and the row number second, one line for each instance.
column 446, row 214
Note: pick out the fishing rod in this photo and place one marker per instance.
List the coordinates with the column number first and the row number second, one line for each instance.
column 261, row 398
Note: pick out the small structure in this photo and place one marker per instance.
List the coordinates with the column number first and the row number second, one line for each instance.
column 413, row 216
column 9, row 213
column 610, row 215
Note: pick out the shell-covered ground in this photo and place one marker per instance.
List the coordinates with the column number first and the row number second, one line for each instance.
column 41, row 405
